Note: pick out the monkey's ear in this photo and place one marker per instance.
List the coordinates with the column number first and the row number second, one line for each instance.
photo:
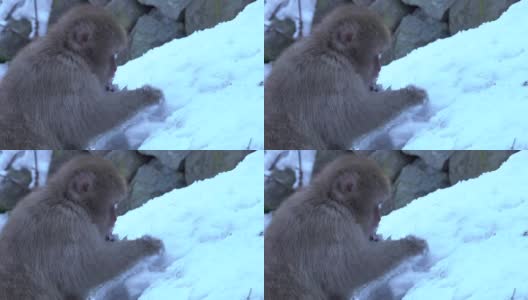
column 81, row 35
column 346, row 186
column 345, row 36
column 82, row 183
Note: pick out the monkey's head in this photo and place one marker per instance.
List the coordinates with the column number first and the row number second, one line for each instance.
column 94, row 35
column 359, row 184
column 359, row 35
column 94, row 184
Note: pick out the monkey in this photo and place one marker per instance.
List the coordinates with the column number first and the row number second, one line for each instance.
column 321, row 92
column 320, row 243
column 58, row 92
column 54, row 245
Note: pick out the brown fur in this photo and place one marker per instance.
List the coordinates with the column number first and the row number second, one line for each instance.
column 318, row 244
column 56, row 93
column 320, row 93
column 54, row 244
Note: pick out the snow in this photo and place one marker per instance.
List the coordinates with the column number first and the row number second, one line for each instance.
column 213, row 87
column 477, row 231
column 289, row 9
column 289, row 159
column 19, row 159
column 477, row 86
column 213, row 236
column 25, row 9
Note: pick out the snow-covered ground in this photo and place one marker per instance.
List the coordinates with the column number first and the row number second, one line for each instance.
column 477, row 81
column 477, row 231
column 213, row 236
column 213, row 87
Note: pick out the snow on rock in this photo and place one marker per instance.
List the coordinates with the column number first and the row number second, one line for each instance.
column 477, row 233
column 477, row 81
column 213, row 235
column 213, row 87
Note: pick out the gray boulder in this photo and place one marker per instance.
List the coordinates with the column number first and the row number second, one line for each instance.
column 200, row 165
column 417, row 180
column 433, row 158
column 471, row 164
column 170, row 8
column 277, row 187
column 172, row 159
column 202, row 14
column 151, row 180
column 13, row 187
column 465, row 14
column 433, row 8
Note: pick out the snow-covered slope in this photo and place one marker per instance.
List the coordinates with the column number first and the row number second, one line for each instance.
column 213, row 235
column 477, row 232
column 213, row 86
column 477, row 82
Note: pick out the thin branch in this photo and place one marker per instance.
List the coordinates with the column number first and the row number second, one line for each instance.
column 12, row 160
column 36, row 168
column 513, row 296
column 36, row 18
column 299, row 7
column 274, row 163
column 249, row 295
column 300, row 169
column 276, row 10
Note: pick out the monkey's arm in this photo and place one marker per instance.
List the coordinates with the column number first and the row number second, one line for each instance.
column 113, row 258
column 379, row 257
column 113, row 108
column 380, row 107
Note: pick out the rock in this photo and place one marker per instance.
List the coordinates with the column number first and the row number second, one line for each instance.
column 391, row 162
column 151, row 180
column 277, row 37
column 416, row 30
column 172, row 159
column 392, row 11
column 126, row 162
column 417, row 180
column 202, row 14
column 322, row 158
column 126, row 12
column 13, row 187
column 59, row 7
column 14, row 37
column 471, row 164
column 170, row 8
column 151, row 31
column 277, row 187
column 433, row 8
column 59, row 157
column 465, row 14
column 433, row 158
column 200, row 165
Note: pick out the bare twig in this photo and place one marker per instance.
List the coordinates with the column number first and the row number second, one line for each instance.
column 513, row 295
column 35, row 156
column 300, row 168
column 274, row 163
column 249, row 144
column 249, row 295
column 299, row 7
column 36, row 18
column 12, row 160
column 513, row 144
column 276, row 10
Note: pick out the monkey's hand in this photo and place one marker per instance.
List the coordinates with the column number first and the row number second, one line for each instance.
column 415, row 245
column 151, row 94
column 151, row 245
column 415, row 95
